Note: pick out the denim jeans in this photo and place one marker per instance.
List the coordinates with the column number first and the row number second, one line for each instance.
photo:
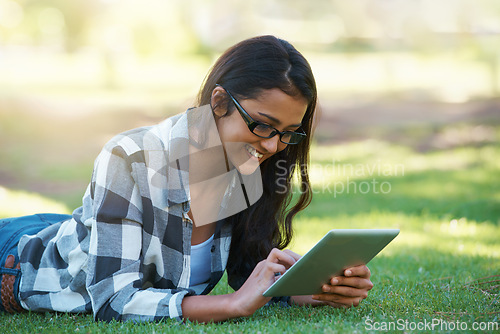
column 11, row 231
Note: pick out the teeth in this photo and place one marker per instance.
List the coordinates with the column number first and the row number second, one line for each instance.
column 254, row 152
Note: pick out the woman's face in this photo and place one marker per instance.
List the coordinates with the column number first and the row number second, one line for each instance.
column 244, row 149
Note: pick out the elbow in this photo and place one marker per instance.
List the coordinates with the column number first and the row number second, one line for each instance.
column 106, row 313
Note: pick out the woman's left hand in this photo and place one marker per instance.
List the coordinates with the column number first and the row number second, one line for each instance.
column 347, row 290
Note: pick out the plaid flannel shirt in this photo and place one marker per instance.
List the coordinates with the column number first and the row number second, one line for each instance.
column 125, row 254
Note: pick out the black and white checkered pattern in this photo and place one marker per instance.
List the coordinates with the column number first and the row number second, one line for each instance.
column 125, row 254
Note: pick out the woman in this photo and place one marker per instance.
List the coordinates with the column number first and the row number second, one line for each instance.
column 171, row 206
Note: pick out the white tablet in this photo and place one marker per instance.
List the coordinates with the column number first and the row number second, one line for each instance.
column 336, row 251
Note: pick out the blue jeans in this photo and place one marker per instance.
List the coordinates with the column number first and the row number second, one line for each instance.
column 11, row 231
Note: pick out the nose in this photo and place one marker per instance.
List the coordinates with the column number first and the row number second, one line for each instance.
column 271, row 144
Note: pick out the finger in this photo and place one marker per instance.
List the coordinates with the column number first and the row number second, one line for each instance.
column 346, row 291
column 360, row 271
column 279, row 256
column 348, row 304
column 355, row 282
column 293, row 254
column 338, row 300
column 334, row 304
column 344, row 304
column 268, row 269
column 271, row 268
column 276, row 268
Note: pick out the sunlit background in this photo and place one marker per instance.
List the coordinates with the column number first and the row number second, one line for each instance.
column 422, row 74
column 409, row 96
column 158, row 51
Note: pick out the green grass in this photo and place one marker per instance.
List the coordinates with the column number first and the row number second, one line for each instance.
column 444, row 265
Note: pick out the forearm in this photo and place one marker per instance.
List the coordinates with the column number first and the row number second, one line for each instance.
column 243, row 302
column 209, row 308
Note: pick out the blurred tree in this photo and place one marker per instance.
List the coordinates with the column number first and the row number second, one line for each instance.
column 132, row 29
column 73, row 19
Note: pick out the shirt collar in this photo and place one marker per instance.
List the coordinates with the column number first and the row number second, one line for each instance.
column 195, row 127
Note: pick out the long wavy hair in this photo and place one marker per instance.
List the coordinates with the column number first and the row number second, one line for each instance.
column 246, row 69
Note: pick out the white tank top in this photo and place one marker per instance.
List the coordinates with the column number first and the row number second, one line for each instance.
column 201, row 261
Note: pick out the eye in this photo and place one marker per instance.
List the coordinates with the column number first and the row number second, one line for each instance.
column 263, row 130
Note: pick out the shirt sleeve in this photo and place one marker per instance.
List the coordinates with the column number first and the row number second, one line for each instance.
column 114, row 279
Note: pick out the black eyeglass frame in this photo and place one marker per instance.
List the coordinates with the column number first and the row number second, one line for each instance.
column 252, row 124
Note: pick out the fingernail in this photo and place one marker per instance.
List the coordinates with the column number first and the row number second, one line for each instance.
column 335, row 281
column 348, row 273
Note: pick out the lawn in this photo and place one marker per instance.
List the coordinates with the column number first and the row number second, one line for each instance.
column 443, row 268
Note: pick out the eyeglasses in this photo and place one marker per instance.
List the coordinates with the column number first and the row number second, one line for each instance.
column 265, row 130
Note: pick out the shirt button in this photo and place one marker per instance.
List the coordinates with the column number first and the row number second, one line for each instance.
column 212, row 249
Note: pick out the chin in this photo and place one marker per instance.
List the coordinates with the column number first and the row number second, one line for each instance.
column 248, row 167
column 242, row 160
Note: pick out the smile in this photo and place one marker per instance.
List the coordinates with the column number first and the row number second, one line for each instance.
column 253, row 152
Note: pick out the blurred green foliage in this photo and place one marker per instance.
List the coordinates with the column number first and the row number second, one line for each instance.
column 154, row 26
column 108, row 45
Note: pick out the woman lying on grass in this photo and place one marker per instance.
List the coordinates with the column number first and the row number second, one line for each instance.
column 170, row 207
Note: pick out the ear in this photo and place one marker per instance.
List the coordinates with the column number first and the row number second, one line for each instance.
column 216, row 101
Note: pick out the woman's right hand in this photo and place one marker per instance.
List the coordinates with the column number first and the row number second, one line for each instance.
column 249, row 298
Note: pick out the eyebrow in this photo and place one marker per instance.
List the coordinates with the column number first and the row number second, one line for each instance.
column 277, row 121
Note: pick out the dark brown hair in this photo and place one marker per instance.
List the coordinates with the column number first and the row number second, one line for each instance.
column 246, row 69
